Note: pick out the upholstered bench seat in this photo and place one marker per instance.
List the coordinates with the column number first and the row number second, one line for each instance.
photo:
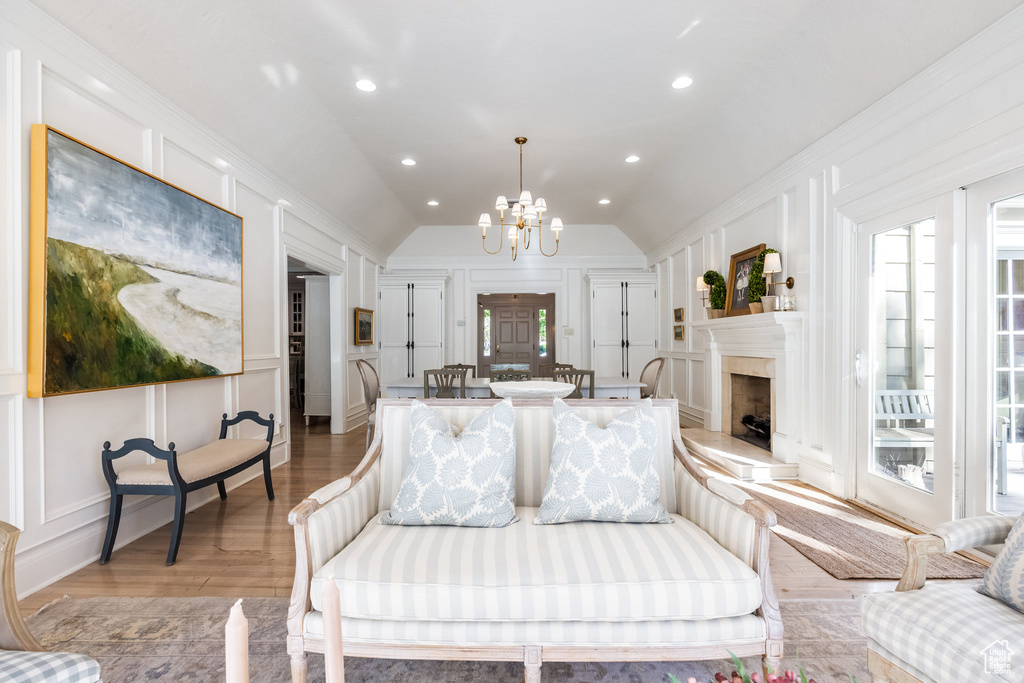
column 47, row 667
column 943, row 630
column 590, row 571
column 205, row 461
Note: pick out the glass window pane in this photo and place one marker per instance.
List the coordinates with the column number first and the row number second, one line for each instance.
column 1018, row 276
column 1018, row 380
column 542, row 317
column 1003, row 350
column 1002, row 315
column 1001, row 276
column 487, row 332
column 1003, row 386
column 1018, row 346
column 1018, row 314
column 1018, row 425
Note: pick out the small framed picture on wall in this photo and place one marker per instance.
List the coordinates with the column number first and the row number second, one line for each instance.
column 678, row 314
column 679, row 333
column 364, row 326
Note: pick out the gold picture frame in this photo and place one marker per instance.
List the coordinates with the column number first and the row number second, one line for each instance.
column 739, row 276
column 679, row 333
column 678, row 315
column 363, row 325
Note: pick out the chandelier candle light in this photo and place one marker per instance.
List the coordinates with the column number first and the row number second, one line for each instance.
column 524, row 213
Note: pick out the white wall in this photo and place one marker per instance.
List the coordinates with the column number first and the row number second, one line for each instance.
column 958, row 122
column 582, row 249
column 51, row 483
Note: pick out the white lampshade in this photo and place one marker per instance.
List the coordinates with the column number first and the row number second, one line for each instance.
column 540, row 204
column 772, row 263
column 530, row 211
column 556, row 224
column 526, row 198
column 701, row 285
column 512, row 232
column 517, row 210
column 500, row 204
column 485, row 220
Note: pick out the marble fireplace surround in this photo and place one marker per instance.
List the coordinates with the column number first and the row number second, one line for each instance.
column 760, row 344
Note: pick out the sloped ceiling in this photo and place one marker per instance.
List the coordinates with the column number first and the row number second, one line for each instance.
column 586, row 81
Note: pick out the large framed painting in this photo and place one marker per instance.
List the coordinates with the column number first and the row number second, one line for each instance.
column 131, row 280
column 739, row 280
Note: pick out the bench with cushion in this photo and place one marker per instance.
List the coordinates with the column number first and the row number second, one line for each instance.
column 694, row 587
column 177, row 474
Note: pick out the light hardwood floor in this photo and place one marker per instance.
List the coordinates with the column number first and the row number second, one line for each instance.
column 244, row 547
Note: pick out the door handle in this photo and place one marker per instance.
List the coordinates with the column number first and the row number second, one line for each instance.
column 497, row 349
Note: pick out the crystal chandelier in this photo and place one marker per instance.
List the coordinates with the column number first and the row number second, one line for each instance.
column 524, row 213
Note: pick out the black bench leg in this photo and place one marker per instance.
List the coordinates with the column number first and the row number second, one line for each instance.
column 266, row 476
column 223, row 491
column 113, row 519
column 179, row 523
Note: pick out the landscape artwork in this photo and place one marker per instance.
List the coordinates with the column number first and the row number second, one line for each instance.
column 364, row 326
column 132, row 280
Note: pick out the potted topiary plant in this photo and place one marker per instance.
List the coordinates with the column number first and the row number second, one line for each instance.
column 757, row 288
column 716, row 297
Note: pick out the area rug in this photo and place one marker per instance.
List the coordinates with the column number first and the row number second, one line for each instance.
column 846, row 541
column 182, row 639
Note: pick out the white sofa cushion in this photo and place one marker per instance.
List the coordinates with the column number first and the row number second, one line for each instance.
column 730, row 631
column 458, row 479
column 535, row 431
column 942, row 629
column 603, row 475
column 203, row 462
column 525, row 572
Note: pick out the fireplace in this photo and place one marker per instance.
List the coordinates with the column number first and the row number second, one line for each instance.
column 748, row 399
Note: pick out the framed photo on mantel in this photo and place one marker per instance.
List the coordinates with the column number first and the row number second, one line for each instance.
column 739, row 281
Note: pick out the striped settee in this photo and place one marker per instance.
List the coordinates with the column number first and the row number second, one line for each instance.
column 588, row 591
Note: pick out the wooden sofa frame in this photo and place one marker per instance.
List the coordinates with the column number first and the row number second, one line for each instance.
column 532, row 655
column 178, row 487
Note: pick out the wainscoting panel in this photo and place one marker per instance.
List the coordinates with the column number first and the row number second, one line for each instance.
column 193, row 174
column 261, row 276
column 194, row 411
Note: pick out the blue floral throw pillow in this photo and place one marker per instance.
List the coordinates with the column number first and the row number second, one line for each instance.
column 458, row 480
column 603, row 475
column 1004, row 580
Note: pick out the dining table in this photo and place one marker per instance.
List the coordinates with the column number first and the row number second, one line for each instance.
column 480, row 387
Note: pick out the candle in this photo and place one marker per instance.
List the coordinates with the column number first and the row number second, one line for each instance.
column 334, row 659
column 236, row 646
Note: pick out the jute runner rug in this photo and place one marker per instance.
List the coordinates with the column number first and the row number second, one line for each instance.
column 846, row 541
column 182, row 639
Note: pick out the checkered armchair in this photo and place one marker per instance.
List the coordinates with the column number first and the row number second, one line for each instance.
column 22, row 658
column 950, row 631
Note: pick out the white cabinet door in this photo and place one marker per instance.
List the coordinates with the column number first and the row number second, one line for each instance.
column 607, row 328
column 393, row 327
column 317, row 395
column 641, row 326
column 428, row 333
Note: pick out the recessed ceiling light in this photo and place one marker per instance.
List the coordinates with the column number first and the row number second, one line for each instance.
column 632, row 159
column 409, row 162
column 682, row 82
column 605, row 201
column 366, row 85
column 432, row 203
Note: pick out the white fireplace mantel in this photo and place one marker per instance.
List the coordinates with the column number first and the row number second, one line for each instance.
column 761, row 335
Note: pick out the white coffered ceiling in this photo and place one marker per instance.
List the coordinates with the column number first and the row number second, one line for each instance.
column 587, row 81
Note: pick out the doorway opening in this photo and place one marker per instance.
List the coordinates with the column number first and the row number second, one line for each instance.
column 516, row 329
column 309, row 349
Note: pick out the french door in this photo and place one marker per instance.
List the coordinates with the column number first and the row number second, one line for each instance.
column 905, row 362
column 994, row 470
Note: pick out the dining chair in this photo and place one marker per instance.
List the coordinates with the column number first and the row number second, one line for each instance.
column 371, row 392
column 548, row 369
column 651, row 376
column 576, row 378
column 445, row 382
column 461, row 366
